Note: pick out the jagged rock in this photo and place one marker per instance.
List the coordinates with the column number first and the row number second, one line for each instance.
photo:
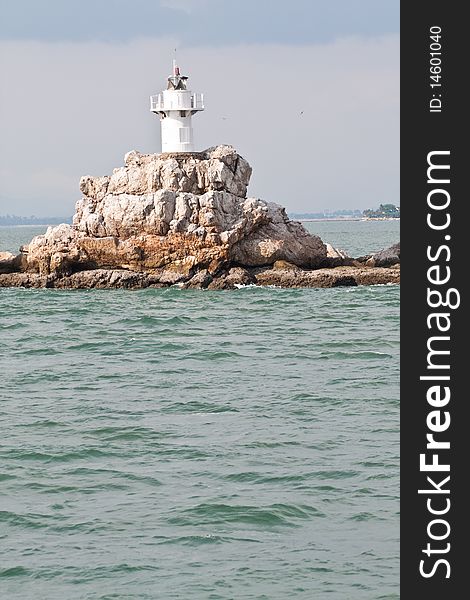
column 384, row 258
column 6, row 257
column 183, row 219
column 200, row 281
column 279, row 239
column 332, row 252
column 330, row 277
column 26, row 280
column 9, row 263
column 387, row 257
column 235, row 277
column 103, row 278
column 283, row 265
column 181, row 212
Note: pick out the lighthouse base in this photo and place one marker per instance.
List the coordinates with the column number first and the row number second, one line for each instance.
column 183, row 155
column 177, row 133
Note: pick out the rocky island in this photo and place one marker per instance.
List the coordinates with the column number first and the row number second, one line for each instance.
column 184, row 219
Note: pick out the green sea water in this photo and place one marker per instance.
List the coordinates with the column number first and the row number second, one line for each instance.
column 208, row 445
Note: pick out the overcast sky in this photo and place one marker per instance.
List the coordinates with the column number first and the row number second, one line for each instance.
column 306, row 90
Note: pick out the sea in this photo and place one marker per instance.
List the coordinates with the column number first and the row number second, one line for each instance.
column 169, row 444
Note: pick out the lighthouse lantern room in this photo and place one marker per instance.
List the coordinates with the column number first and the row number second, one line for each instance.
column 176, row 105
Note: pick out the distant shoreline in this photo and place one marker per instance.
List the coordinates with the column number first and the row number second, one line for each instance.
column 349, row 219
column 33, row 225
column 316, row 220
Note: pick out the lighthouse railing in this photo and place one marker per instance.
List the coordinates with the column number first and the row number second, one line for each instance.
column 156, row 102
column 197, row 101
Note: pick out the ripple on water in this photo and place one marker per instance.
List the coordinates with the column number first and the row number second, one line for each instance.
column 158, row 443
column 271, row 516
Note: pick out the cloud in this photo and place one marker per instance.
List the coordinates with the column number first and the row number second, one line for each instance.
column 186, row 6
column 319, row 123
column 197, row 22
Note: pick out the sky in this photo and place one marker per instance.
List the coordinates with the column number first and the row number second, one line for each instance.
column 306, row 90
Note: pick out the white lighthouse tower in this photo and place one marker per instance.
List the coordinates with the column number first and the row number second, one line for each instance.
column 176, row 105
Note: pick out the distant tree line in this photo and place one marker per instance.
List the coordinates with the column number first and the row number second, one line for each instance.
column 327, row 214
column 16, row 220
column 385, row 211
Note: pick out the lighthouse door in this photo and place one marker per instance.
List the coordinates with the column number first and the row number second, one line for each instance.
column 185, row 135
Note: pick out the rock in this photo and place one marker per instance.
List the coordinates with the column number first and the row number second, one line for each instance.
column 338, row 258
column 168, row 277
column 201, row 280
column 332, row 252
column 183, row 219
column 345, row 281
column 103, row 279
column 283, row 265
column 182, row 212
column 9, row 263
column 6, row 257
column 26, row 280
column 383, row 258
column 329, row 277
column 235, row 277
column 389, row 256
column 279, row 239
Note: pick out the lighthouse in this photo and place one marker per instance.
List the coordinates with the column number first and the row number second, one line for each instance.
column 176, row 105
